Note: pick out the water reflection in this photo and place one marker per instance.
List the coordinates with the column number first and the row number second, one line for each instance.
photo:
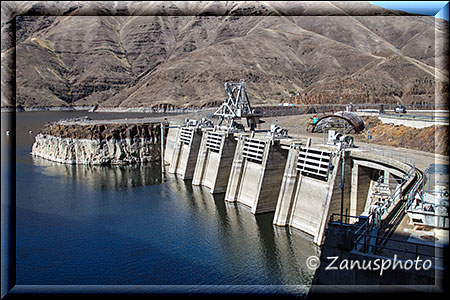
column 104, row 177
column 247, row 242
column 130, row 225
column 293, row 250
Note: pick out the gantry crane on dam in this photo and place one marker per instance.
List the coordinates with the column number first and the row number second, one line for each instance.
column 237, row 106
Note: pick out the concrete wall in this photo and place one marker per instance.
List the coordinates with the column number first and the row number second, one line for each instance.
column 302, row 201
column 362, row 181
column 335, row 201
column 213, row 168
column 199, row 172
column 184, row 156
column 374, row 166
column 254, row 184
column 172, row 137
column 236, row 172
column 307, row 203
column 285, row 202
column 312, row 201
column 224, row 168
column 250, row 185
column 271, row 181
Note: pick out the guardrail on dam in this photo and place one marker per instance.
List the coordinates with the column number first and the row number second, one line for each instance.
column 413, row 120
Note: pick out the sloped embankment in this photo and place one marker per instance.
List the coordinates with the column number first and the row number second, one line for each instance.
column 432, row 139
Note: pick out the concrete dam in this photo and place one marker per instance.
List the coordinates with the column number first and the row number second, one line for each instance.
column 303, row 185
column 316, row 189
column 348, row 200
column 266, row 171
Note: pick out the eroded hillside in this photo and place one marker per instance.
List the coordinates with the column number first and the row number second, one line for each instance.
column 155, row 54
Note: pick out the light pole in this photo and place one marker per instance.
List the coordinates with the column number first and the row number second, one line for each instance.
column 342, row 179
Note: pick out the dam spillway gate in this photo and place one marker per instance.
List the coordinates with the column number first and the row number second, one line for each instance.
column 302, row 185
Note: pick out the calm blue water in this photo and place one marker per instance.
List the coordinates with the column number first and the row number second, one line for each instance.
column 79, row 225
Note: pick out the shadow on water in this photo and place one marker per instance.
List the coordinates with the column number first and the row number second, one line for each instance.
column 171, row 217
column 250, row 242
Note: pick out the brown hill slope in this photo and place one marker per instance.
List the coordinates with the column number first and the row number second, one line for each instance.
column 432, row 139
column 180, row 53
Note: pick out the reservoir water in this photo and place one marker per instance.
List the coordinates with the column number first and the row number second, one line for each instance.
column 81, row 225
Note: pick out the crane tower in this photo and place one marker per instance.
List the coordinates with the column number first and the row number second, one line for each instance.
column 237, row 106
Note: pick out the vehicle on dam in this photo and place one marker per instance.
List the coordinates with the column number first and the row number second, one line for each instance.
column 400, row 109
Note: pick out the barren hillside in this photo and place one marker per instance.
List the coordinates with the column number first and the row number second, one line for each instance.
column 153, row 54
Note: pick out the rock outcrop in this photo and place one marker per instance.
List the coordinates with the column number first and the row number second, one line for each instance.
column 99, row 143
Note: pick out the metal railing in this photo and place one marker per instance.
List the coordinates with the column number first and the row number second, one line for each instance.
column 412, row 194
column 377, row 249
column 364, row 225
column 298, row 109
column 394, row 155
column 362, row 236
column 387, row 106
column 379, row 212
column 414, row 117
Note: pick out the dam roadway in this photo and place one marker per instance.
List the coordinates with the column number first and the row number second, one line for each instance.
column 421, row 158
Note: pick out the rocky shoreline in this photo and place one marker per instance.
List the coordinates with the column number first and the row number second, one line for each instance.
column 99, row 143
column 103, row 109
column 49, row 108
